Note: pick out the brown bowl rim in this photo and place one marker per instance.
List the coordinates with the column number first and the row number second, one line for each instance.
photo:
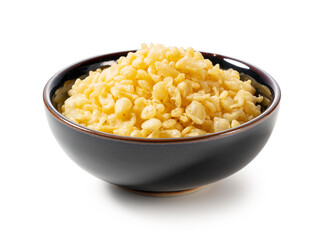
column 262, row 117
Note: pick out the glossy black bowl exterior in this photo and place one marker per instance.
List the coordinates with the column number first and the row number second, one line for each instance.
column 161, row 165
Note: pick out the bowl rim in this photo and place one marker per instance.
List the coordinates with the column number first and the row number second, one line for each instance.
column 262, row 117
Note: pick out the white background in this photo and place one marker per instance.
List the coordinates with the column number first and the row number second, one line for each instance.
column 280, row 195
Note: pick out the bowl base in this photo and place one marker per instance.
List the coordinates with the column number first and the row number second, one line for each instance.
column 163, row 194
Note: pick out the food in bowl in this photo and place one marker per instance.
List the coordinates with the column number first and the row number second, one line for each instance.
column 161, row 92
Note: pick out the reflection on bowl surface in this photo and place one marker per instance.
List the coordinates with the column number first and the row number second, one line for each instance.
column 164, row 165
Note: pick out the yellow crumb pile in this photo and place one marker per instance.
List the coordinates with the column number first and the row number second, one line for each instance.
column 162, row 92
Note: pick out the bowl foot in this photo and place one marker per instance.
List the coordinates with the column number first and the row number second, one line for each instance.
column 163, row 194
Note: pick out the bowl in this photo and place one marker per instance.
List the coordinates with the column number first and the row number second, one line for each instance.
column 170, row 165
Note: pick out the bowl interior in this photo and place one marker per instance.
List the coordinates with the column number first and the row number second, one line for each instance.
column 261, row 81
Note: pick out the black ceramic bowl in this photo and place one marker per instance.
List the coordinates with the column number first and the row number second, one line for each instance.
column 162, row 165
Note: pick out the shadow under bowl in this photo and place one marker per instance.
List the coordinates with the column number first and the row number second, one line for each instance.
column 162, row 165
